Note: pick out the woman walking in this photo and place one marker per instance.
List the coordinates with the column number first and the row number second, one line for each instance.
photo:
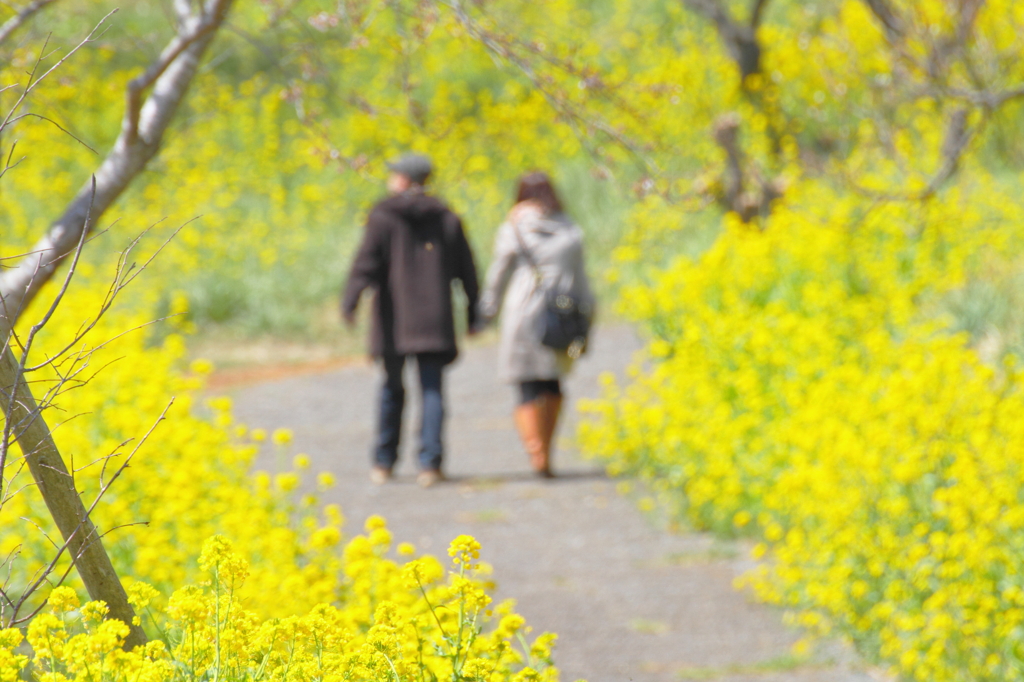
column 538, row 252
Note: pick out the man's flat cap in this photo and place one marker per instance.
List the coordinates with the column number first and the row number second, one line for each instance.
column 416, row 167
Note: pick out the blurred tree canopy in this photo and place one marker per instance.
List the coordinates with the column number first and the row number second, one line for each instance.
column 710, row 105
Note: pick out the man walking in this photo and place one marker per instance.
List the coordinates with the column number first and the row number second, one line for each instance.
column 412, row 249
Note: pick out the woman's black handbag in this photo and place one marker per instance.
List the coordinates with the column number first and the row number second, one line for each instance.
column 565, row 322
column 565, row 325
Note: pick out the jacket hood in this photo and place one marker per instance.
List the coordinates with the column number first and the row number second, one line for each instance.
column 414, row 206
column 533, row 220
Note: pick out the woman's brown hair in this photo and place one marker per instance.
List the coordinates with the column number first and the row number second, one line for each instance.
column 537, row 187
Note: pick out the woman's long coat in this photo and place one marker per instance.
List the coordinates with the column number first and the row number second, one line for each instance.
column 555, row 244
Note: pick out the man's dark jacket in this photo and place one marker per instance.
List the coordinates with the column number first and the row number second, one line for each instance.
column 413, row 248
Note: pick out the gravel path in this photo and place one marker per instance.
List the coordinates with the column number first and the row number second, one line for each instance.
column 629, row 601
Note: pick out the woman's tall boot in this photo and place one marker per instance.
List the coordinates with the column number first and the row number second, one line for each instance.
column 550, row 408
column 529, row 419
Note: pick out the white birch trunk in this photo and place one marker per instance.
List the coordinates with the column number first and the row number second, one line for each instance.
column 141, row 135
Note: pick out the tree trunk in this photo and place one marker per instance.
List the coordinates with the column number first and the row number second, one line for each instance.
column 57, row 486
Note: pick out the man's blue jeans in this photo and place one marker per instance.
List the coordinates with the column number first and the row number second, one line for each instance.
column 392, row 402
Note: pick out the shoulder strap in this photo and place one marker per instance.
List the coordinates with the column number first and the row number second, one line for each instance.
column 525, row 251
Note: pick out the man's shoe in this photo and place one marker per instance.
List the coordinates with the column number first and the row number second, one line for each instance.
column 429, row 477
column 380, row 475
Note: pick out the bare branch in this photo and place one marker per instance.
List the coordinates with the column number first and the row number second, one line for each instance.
column 757, row 13
column 122, row 278
column 45, row 572
column 55, row 124
column 986, row 100
column 8, row 166
column 41, row 576
column 958, row 136
column 19, row 19
column 957, row 139
column 138, row 85
column 34, row 82
column 64, row 286
column 11, row 399
column 10, row 407
column 104, row 487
